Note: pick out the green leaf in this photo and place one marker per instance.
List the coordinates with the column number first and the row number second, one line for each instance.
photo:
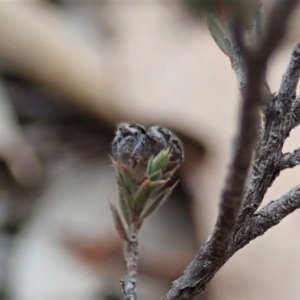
column 125, row 188
column 159, row 162
column 118, row 223
column 142, row 196
column 155, row 185
column 125, row 204
column 157, row 202
column 127, row 185
column 129, row 178
column 150, row 165
column 156, row 175
column 218, row 32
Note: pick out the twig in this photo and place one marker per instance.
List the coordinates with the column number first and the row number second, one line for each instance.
column 238, row 62
column 238, row 171
column 129, row 284
column 287, row 91
column 290, row 160
column 267, row 217
column 295, row 114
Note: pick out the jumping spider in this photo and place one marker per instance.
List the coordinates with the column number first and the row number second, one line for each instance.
column 134, row 139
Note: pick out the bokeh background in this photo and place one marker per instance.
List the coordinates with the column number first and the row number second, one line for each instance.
column 69, row 72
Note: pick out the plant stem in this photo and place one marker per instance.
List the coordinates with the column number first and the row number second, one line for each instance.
column 129, row 284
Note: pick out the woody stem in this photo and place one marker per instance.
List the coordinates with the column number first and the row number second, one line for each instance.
column 129, row 284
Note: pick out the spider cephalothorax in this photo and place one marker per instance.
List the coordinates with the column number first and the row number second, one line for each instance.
column 134, row 139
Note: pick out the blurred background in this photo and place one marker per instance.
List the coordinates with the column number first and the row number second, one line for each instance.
column 69, row 72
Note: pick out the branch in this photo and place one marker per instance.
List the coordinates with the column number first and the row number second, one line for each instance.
column 295, row 114
column 238, row 172
column 250, row 67
column 213, row 253
column 287, row 91
column 290, row 160
column 267, row 217
column 238, row 61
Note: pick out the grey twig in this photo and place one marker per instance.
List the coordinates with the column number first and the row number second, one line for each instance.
column 233, row 191
column 129, row 284
column 267, row 217
column 290, row 160
column 238, row 59
column 287, row 91
column 229, row 232
column 294, row 115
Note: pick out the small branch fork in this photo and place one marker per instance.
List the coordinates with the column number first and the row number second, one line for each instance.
column 238, row 222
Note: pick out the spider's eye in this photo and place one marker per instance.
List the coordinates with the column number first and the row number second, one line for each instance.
column 126, row 133
column 143, row 131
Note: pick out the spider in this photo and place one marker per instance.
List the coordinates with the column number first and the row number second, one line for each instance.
column 134, row 139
